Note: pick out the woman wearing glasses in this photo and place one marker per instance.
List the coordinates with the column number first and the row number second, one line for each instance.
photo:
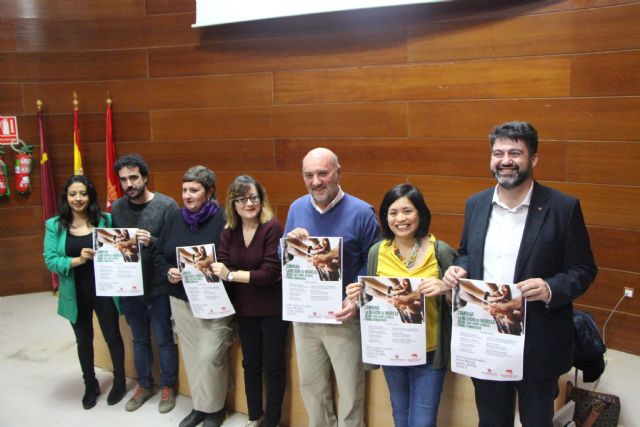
column 248, row 258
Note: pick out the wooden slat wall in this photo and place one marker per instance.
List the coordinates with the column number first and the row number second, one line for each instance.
column 401, row 94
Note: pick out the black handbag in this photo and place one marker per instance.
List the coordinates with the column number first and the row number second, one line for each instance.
column 593, row 409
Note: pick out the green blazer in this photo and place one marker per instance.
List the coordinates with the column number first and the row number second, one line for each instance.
column 57, row 261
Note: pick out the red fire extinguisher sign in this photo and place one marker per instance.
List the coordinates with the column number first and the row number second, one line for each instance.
column 8, row 130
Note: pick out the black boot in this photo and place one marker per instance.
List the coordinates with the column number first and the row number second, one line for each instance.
column 118, row 390
column 91, row 393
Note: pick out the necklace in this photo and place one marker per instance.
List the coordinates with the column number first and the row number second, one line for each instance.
column 414, row 253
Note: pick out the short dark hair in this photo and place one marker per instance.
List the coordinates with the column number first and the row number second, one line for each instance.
column 515, row 131
column 132, row 160
column 415, row 196
column 202, row 175
column 93, row 209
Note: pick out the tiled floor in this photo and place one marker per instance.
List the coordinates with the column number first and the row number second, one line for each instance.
column 41, row 383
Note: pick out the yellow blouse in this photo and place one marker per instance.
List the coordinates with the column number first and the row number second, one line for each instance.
column 390, row 266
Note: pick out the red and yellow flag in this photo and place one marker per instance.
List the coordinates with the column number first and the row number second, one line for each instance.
column 49, row 200
column 114, row 190
column 77, row 151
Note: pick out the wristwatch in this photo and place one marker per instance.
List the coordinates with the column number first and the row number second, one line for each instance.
column 230, row 276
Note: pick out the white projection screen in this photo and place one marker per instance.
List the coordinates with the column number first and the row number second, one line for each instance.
column 216, row 12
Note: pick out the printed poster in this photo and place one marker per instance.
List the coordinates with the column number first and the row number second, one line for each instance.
column 392, row 321
column 311, row 279
column 488, row 334
column 117, row 263
column 206, row 293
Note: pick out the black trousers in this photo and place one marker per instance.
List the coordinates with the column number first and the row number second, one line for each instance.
column 264, row 337
column 495, row 401
column 107, row 314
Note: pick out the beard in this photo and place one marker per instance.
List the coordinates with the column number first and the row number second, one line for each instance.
column 137, row 192
column 513, row 181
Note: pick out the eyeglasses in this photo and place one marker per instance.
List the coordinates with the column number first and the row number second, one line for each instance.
column 245, row 200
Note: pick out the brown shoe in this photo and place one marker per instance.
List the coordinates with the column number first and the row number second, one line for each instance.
column 139, row 397
column 167, row 400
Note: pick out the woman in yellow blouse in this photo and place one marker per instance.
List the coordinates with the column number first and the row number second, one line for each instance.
column 408, row 250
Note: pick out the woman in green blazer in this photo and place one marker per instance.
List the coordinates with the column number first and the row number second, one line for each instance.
column 68, row 252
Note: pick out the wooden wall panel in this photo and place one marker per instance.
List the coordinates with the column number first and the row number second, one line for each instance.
column 416, row 156
column 597, row 202
column 609, row 287
column 340, row 120
column 104, row 34
column 234, row 155
column 152, row 94
column 352, row 120
column 25, row 280
column 603, row 163
column 11, row 99
column 615, row 248
column 7, row 35
column 42, row 66
column 449, row 194
column 607, row 74
column 157, row 7
column 29, row 244
column 218, row 123
column 606, row 119
column 392, row 156
column 447, row 227
column 609, row 29
column 72, row 9
column 450, row 80
column 278, row 54
column 20, row 221
column 368, row 187
column 59, row 127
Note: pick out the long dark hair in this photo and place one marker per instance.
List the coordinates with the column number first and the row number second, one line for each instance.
column 65, row 211
column 415, row 196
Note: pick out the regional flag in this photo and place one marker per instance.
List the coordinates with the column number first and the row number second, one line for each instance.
column 77, row 151
column 114, row 190
column 49, row 200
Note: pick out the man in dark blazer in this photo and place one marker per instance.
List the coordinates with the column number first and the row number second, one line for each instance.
column 528, row 234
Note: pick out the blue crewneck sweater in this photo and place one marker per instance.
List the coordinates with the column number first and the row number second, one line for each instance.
column 351, row 218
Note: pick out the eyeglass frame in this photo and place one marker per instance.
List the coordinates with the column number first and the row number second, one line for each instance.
column 245, row 200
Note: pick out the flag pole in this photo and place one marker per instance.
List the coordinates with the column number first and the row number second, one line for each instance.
column 77, row 151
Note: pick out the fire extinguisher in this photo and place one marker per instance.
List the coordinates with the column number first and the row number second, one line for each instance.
column 24, row 164
column 4, row 183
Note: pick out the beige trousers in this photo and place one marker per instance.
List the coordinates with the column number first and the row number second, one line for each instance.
column 320, row 347
column 204, row 345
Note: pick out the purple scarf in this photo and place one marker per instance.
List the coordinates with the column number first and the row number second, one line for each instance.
column 193, row 219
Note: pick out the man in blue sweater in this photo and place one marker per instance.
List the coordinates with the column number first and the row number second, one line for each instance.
column 329, row 212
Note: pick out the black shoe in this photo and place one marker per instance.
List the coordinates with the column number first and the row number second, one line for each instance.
column 193, row 419
column 91, row 393
column 214, row 420
column 118, row 390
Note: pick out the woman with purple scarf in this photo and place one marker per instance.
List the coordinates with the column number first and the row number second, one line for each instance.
column 204, row 343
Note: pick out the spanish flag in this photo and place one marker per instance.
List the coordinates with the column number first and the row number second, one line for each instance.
column 77, row 151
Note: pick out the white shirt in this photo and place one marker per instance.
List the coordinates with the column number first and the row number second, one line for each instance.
column 504, row 235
